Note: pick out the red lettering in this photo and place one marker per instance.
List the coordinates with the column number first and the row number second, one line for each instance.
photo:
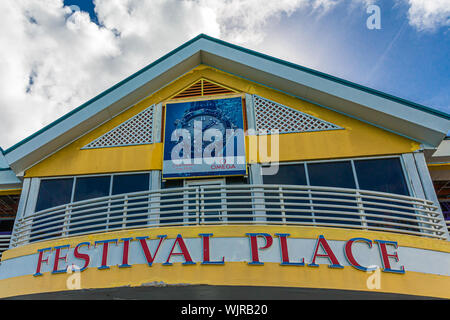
column 147, row 253
column 82, row 256
column 321, row 241
column 126, row 249
column 206, row 258
column 57, row 258
column 349, row 254
column 184, row 252
column 105, row 252
column 284, row 251
column 40, row 261
column 254, row 246
column 385, row 256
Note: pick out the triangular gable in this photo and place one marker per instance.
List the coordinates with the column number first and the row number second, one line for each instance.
column 407, row 119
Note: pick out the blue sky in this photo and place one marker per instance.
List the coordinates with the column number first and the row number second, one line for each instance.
column 395, row 59
column 57, row 57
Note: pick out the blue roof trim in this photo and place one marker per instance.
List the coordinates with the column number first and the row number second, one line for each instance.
column 255, row 53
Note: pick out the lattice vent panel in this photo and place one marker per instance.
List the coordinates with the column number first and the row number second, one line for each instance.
column 270, row 115
column 136, row 130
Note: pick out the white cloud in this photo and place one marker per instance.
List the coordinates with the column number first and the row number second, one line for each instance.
column 53, row 57
column 429, row 15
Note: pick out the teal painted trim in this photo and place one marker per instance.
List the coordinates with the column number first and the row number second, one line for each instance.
column 254, row 53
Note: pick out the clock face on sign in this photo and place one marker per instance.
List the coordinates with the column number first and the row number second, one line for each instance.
column 206, row 119
column 206, row 124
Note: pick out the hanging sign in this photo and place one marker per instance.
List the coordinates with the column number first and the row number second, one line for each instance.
column 204, row 138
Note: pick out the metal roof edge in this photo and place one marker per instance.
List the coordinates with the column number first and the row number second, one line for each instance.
column 333, row 78
column 242, row 49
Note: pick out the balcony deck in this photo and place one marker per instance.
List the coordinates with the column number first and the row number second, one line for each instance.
column 236, row 204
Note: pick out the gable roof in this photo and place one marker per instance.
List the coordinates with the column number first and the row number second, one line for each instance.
column 417, row 122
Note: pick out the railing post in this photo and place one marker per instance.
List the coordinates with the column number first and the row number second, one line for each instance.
column 224, row 206
column 125, row 211
column 258, row 204
column 283, row 213
column 108, row 212
column 312, row 207
column 155, row 187
column 154, row 199
column 361, row 210
column 66, row 223
column 200, row 207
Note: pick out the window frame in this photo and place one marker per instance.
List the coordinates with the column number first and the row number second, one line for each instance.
column 306, row 162
column 111, row 175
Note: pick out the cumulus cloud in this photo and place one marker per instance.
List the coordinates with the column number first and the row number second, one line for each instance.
column 53, row 57
column 429, row 15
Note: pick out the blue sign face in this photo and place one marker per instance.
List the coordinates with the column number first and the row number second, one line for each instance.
column 204, row 138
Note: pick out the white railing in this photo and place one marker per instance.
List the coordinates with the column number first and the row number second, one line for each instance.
column 5, row 238
column 236, row 204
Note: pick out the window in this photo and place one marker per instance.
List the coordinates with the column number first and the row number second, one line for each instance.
column 54, row 192
column 238, row 200
column 384, row 175
column 58, row 191
column 128, row 183
column 171, row 201
column 337, row 174
column 292, row 174
column 91, row 187
column 380, row 174
column 331, row 174
column 293, row 204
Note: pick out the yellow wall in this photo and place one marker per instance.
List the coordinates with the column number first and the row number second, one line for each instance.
column 358, row 138
column 236, row 273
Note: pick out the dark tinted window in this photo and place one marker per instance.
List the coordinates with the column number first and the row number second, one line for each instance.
column 91, row 187
column 54, row 192
column 331, row 174
column 167, row 184
column 293, row 174
column 236, row 180
column 384, row 175
column 130, row 183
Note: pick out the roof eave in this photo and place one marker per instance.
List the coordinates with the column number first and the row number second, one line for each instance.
column 416, row 122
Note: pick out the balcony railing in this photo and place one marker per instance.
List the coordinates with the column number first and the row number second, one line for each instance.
column 5, row 238
column 236, row 204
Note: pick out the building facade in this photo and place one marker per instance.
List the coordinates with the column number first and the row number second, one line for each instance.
column 220, row 169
